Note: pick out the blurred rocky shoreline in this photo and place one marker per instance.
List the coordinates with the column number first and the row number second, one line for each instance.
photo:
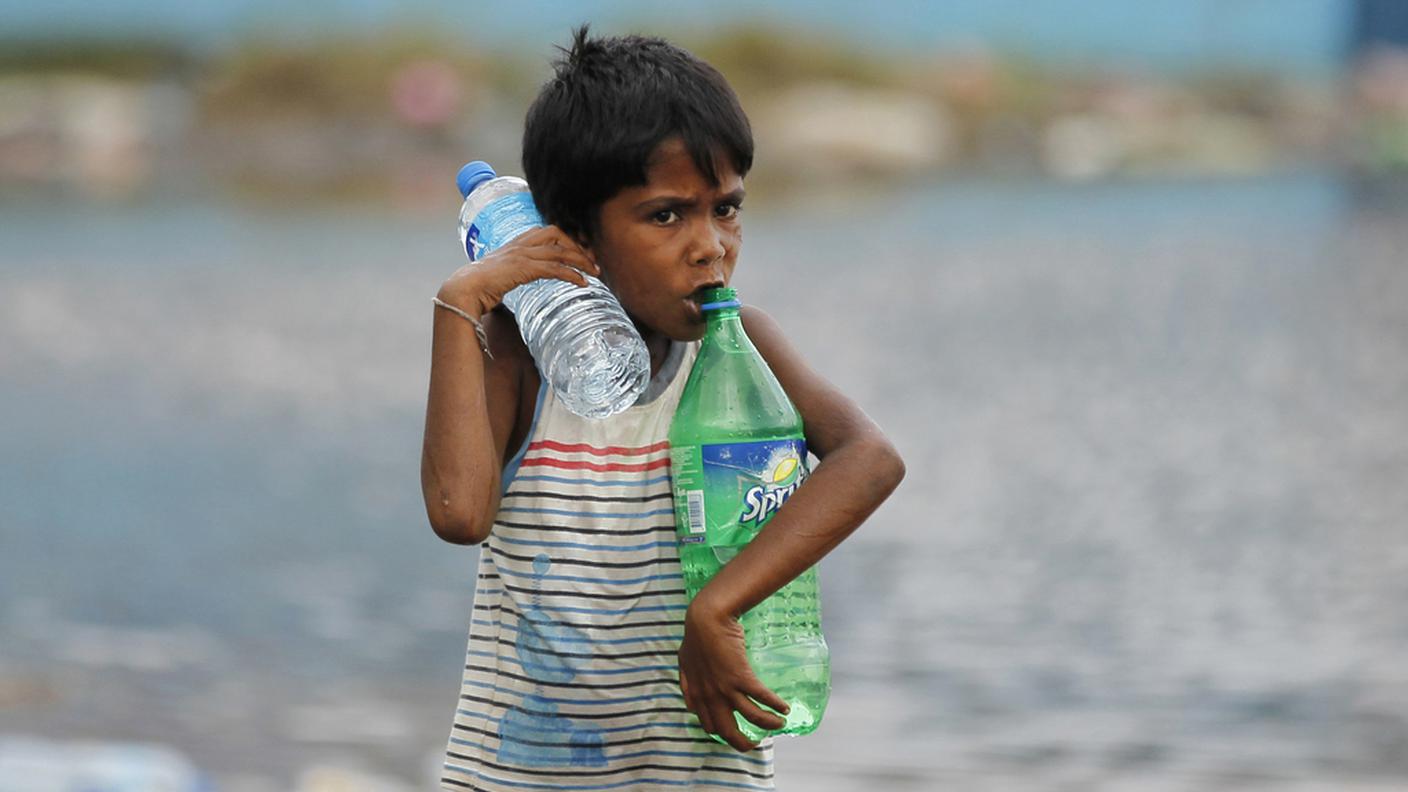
column 391, row 117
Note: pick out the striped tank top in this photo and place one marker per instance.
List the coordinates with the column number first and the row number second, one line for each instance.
column 571, row 677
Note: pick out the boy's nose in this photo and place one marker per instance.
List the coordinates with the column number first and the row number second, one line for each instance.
column 708, row 245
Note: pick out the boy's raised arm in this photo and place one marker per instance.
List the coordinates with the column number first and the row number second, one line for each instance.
column 466, row 430
column 859, row 468
column 473, row 402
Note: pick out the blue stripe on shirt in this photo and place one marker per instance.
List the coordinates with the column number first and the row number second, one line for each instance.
column 580, row 702
column 688, row 755
column 626, row 700
column 610, row 612
column 582, row 579
column 663, row 781
column 603, row 730
column 581, row 545
column 579, row 639
column 592, row 515
column 595, row 671
column 763, row 763
column 607, row 611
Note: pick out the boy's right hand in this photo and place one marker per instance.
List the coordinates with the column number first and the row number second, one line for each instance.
column 545, row 252
column 716, row 679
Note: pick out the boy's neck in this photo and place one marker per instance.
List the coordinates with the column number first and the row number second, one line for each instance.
column 659, row 346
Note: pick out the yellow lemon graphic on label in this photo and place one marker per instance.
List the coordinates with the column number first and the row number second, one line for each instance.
column 779, row 478
column 785, row 471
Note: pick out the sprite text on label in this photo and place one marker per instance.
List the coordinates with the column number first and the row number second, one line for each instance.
column 726, row 492
column 763, row 500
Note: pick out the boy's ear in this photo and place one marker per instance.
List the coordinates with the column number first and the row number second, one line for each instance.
column 584, row 238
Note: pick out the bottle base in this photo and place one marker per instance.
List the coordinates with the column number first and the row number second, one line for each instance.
column 806, row 701
column 801, row 720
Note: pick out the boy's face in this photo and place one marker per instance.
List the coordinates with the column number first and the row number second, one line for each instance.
column 662, row 243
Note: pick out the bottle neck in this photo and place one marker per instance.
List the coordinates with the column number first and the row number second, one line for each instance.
column 725, row 326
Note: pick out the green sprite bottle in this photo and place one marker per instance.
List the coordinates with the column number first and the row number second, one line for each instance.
column 737, row 453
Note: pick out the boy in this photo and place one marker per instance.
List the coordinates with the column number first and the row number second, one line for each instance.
column 584, row 661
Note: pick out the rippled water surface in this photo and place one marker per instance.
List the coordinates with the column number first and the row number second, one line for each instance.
column 1152, row 536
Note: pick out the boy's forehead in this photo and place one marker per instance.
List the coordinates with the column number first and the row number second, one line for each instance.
column 667, row 151
column 671, row 167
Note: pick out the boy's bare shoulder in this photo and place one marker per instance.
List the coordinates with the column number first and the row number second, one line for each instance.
column 753, row 316
column 772, row 343
column 831, row 417
column 767, row 335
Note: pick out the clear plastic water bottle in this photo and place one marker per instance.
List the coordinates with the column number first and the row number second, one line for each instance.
column 586, row 348
column 737, row 453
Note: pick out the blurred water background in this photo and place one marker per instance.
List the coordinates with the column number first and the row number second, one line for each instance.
column 1129, row 292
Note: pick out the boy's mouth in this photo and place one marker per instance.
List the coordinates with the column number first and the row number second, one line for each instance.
column 696, row 299
column 700, row 295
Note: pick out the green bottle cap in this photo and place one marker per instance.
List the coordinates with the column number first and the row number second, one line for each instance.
column 720, row 297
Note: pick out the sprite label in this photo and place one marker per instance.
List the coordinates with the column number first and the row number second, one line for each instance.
column 726, row 492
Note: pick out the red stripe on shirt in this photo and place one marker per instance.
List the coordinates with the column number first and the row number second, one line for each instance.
column 600, row 467
column 583, row 448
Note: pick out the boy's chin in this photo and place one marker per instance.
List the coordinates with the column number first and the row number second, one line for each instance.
column 685, row 335
column 689, row 327
column 682, row 331
column 692, row 331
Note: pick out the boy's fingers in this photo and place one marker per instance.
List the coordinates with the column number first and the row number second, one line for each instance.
column 546, row 233
column 572, row 257
column 688, row 694
column 558, row 270
column 757, row 715
column 573, row 261
column 706, row 722
column 729, row 731
column 560, row 238
column 756, row 690
column 569, row 273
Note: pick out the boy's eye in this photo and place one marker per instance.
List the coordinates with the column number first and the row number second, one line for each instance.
column 728, row 211
column 664, row 217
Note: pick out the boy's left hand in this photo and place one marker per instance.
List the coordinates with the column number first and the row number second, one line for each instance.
column 716, row 679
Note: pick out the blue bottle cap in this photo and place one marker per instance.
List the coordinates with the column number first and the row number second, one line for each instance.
column 720, row 297
column 473, row 175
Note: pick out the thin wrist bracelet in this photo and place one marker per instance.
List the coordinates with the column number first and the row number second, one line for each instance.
column 478, row 328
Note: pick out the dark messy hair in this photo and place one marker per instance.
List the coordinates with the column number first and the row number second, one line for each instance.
column 612, row 100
